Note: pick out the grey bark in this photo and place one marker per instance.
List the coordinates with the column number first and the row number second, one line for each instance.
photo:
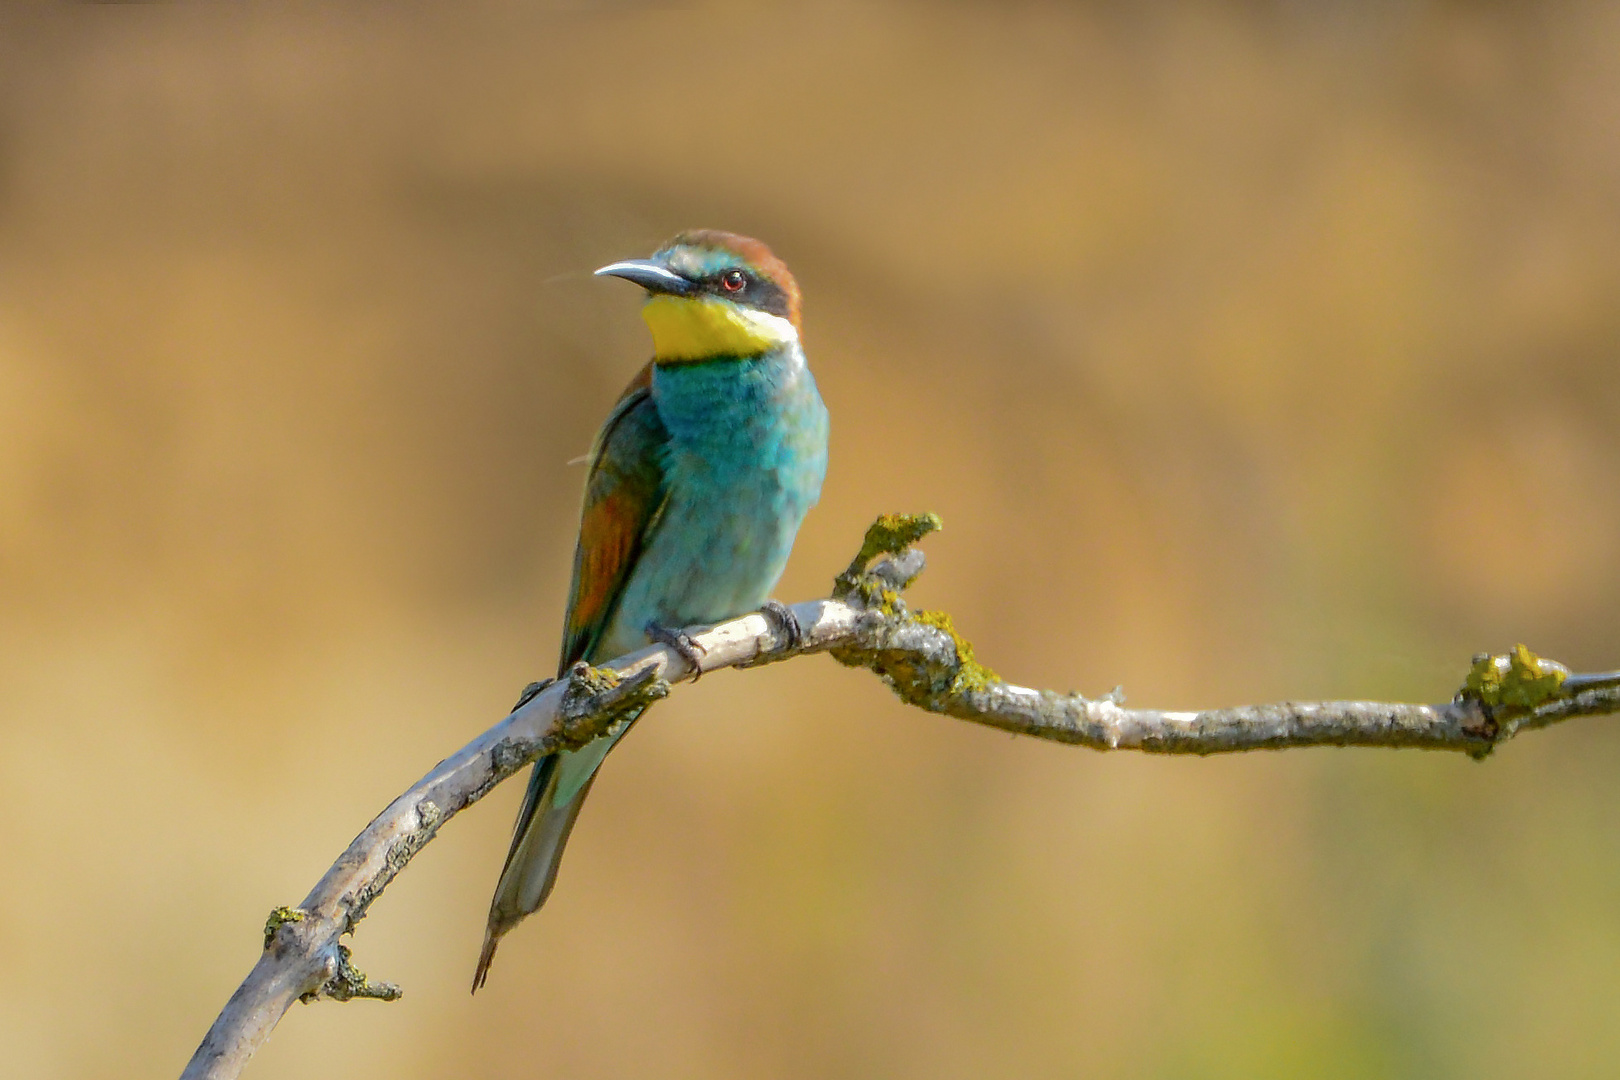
column 865, row 625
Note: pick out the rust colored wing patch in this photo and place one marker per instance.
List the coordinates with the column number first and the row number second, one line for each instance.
column 624, row 493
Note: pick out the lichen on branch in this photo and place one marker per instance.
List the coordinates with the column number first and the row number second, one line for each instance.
column 890, row 534
column 927, row 662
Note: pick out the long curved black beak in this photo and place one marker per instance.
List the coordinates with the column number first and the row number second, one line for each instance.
column 653, row 276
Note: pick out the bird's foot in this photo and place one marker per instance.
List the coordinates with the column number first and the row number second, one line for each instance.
column 786, row 622
column 530, row 692
column 690, row 650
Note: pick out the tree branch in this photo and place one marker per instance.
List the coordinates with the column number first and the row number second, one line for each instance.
column 927, row 663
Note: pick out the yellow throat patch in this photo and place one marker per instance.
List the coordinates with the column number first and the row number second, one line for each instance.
column 704, row 327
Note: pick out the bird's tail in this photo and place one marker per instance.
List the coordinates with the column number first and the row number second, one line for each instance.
column 557, row 790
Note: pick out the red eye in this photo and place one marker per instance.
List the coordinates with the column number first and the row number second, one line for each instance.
column 733, row 281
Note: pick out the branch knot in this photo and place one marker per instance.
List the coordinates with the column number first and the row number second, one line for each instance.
column 596, row 700
column 279, row 918
column 921, row 656
column 928, row 664
column 347, row 982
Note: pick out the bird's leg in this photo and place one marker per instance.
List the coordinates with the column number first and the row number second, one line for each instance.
column 530, row 692
column 786, row 622
column 690, row 650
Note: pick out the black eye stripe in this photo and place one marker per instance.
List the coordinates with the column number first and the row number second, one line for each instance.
column 756, row 292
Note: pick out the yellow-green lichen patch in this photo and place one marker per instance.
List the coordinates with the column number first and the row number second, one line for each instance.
column 350, row 982
column 593, row 680
column 970, row 674
column 888, row 535
column 893, row 533
column 596, row 699
column 1523, row 682
column 875, row 596
column 277, row 918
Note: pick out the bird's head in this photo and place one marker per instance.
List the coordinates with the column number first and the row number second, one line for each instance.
column 714, row 294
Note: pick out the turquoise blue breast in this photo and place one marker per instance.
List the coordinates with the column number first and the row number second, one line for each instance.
column 746, row 455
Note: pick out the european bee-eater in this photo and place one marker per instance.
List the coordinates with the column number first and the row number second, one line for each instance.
column 697, row 484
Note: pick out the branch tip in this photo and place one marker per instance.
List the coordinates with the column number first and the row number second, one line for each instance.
column 891, row 534
column 349, row 982
column 928, row 663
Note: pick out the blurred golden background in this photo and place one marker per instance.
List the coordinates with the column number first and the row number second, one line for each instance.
column 1249, row 352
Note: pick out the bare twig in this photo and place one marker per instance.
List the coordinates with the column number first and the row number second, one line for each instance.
column 920, row 654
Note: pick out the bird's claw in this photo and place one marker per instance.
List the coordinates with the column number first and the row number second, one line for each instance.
column 689, row 650
column 786, row 622
column 530, row 692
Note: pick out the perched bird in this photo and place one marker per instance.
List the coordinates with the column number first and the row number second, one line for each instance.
column 697, row 484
